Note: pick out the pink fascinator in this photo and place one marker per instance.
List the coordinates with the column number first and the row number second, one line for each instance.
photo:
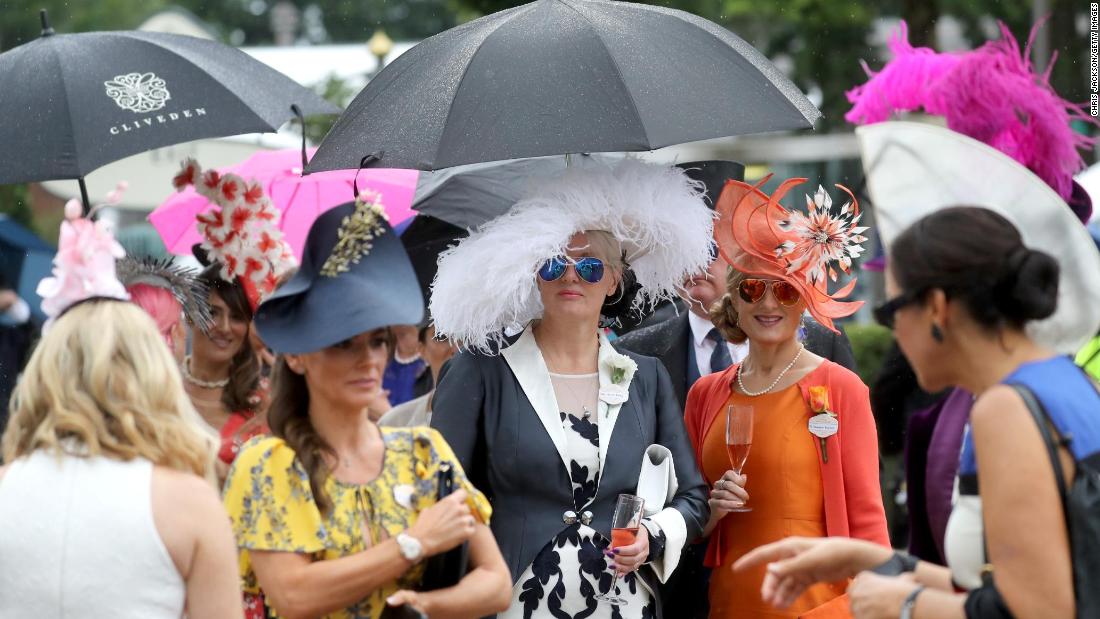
column 84, row 266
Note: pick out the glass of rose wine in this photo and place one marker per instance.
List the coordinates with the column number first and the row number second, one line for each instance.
column 738, row 440
column 624, row 530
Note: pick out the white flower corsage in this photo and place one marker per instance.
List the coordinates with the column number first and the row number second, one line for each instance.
column 621, row 368
column 403, row 494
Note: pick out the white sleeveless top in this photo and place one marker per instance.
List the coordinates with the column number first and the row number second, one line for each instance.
column 77, row 539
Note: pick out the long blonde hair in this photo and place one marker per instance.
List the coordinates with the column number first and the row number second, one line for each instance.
column 102, row 376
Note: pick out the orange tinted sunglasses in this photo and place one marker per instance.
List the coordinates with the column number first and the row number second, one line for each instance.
column 752, row 290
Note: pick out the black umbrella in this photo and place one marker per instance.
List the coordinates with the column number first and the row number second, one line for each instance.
column 563, row 76
column 71, row 103
column 424, row 239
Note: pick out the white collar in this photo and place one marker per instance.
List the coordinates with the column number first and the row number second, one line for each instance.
column 700, row 327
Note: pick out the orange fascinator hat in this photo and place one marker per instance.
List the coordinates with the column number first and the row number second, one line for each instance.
column 757, row 236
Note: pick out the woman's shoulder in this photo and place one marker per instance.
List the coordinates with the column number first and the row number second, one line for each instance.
column 837, row 377
column 264, row 453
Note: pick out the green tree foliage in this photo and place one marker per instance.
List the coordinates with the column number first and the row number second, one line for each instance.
column 869, row 344
column 19, row 21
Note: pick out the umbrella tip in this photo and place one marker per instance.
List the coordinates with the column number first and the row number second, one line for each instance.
column 47, row 30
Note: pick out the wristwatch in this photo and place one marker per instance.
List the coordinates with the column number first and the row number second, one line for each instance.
column 410, row 547
column 909, row 603
column 897, row 564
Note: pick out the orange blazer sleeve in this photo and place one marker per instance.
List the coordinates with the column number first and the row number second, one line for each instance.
column 860, row 458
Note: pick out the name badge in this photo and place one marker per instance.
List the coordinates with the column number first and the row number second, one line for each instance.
column 613, row 394
column 823, row 425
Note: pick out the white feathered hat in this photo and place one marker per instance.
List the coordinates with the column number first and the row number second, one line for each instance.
column 487, row 282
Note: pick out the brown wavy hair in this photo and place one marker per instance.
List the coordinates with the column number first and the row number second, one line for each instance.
column 288, row 417
column 244, row 368
column 723, row 313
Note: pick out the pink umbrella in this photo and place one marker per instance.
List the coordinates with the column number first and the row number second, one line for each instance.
column 300, row 198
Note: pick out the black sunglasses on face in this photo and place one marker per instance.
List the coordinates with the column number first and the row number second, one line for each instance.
column 884, row 313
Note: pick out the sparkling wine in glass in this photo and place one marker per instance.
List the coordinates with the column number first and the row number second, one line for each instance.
column 738, row 440
column 624, row 530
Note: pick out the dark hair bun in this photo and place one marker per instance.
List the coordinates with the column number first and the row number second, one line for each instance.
column 1028, row 286
column 621, row 302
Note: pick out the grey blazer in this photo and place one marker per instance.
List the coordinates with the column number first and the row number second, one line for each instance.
column 499, row 415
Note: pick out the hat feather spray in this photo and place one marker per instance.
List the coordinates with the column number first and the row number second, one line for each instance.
column 991, row 94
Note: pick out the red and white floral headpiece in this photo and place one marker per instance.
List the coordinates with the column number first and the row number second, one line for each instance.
column 242, row 235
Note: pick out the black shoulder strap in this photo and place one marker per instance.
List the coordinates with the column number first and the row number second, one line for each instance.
column 1042, row 419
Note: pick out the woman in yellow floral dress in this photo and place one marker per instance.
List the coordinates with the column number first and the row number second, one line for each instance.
column 333, row 514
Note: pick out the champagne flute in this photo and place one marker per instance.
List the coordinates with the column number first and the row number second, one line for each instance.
column 624, row 530
column 738, row 440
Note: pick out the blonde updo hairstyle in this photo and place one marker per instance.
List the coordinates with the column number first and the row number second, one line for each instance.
column 603, row 245
column 724, row 313
column 102, row 382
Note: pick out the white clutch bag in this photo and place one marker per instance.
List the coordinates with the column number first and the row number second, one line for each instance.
column 657, row 480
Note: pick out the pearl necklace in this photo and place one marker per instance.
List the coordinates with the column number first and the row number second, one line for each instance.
column 211, row 384
column 774, row 382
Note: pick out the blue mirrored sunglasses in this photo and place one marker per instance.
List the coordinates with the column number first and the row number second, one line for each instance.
column 588, row 269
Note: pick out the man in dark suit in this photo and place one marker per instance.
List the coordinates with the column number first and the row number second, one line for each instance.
column 690, row 347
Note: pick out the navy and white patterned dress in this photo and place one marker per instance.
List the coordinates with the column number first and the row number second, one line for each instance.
column 566, row 575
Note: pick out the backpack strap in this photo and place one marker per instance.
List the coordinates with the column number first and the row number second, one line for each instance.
column 1051, row 438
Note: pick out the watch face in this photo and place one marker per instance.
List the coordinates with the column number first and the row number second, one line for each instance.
column 410, row 547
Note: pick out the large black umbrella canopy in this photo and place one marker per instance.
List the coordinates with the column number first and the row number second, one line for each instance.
column 563, row 76
column 71, row 103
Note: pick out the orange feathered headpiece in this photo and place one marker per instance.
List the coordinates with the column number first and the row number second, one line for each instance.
column 757, row 236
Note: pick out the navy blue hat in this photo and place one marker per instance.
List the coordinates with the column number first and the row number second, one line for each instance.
column 713, row 174
column 355, row 277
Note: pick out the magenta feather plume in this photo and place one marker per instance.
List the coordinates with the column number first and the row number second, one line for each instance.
column 901, row 85
column 991, row 94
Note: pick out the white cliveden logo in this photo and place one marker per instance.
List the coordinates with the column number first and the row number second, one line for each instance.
column 138, row 92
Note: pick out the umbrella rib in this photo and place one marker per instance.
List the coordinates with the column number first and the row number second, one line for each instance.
column 775, row 80
column 614, row 63
column 520, row 10
column 68, row 113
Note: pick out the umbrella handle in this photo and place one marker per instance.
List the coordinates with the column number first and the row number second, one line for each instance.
column 302, row 123
column 364, row 162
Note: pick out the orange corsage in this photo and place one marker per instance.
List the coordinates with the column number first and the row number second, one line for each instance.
column 825, row 423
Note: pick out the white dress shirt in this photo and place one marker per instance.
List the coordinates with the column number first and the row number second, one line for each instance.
column 704, row 346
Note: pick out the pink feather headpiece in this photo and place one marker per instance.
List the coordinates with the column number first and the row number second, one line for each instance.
column 84, row 266
column 242, row 234
column 991, row 94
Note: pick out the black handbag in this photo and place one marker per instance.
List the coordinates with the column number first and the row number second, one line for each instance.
column 1081, row 505
column 446, row 569
column 442, row 570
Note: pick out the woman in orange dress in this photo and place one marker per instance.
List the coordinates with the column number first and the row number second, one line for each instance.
column 813, row 463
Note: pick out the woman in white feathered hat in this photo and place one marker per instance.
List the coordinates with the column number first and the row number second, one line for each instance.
column 555, row 426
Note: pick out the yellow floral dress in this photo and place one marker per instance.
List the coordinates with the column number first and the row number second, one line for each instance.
column 269, row 501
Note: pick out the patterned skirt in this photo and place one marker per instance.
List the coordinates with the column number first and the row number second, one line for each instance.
column 567, row 574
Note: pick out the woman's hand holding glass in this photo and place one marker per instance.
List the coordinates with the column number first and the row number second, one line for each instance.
column 795, row 563
column 728, row 493
column 444, row 525
column 626, row 559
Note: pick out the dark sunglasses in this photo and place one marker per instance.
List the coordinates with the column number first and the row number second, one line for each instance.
column 752, row 290
column 884, row 313
column 588, row 268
